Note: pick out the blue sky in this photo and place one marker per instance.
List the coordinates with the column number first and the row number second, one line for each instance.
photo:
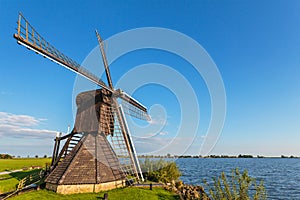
column 255, row 45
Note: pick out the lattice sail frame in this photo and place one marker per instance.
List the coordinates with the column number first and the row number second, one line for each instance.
column 117, row 141
column 28, row 37
column 133, row 111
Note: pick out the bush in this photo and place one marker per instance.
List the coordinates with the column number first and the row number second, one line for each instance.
column 5, row 156
column 238, row 187
column 160, row 170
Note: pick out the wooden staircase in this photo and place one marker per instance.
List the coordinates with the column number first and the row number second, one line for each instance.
column 72, row 141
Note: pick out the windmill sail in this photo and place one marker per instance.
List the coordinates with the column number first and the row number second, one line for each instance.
column 139, row 109
column 27, row 36
column 129, row 108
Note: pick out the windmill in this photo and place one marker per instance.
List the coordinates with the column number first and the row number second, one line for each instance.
column 98, row 153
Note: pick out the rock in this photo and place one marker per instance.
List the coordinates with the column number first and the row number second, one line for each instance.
column 196, row 194
column 178, row 183
column 188, row 195
column 187, row 192
column 174, row 189
column 173, row 182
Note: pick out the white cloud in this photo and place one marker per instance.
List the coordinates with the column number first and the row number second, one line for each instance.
column 158, row 121
column 22, row 126
column 163, row 133
column 150, row 135
column 17, row 120
column 203, row 136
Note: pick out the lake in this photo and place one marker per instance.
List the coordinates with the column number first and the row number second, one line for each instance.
column 281, row 175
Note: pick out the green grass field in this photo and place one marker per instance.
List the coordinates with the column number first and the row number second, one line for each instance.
column 19, row 163
column 129, row 193
column 8, row 182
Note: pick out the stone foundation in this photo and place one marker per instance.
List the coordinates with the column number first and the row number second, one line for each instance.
column 84, row 188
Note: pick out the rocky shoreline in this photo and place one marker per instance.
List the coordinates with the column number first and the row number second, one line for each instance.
column 187, row 191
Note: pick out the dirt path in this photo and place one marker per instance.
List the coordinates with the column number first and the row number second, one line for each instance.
column 12, row 171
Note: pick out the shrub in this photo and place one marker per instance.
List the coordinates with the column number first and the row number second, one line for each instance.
column 237, row 188
column 5, row 156
column 160, row 170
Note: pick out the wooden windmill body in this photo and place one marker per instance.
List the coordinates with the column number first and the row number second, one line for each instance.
column 98, row 154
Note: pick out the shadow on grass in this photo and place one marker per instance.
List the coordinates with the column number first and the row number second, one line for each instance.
column 23, row 174
column 6, row 178
column 20, row 175
column 166, row 196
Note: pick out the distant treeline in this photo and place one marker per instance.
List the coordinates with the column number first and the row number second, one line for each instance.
column 7, row 156
column 211, row 156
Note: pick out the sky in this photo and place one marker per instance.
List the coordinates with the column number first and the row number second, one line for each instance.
column 255, row 46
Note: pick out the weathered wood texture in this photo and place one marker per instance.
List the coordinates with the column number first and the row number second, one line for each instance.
column 92, row 160
column 94, row 112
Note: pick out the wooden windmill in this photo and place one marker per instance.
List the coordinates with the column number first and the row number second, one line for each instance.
column 98, row 153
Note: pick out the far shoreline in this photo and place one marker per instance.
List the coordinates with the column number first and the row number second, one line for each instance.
column 220, row 156
column 169, row 156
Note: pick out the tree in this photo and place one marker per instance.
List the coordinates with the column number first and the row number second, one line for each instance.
column 45, row 156
column 36, row 156
column 5, row 156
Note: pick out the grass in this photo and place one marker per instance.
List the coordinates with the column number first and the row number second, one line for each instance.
column 129, row 193
column 19, row 163
column 8, row 182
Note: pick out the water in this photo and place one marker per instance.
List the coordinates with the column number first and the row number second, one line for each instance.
column 281, row 175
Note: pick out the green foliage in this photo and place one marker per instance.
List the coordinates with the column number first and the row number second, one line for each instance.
column 129, row 193
column 236, row 188
column 5, row 156
column 245, row 156
column 160, row 170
